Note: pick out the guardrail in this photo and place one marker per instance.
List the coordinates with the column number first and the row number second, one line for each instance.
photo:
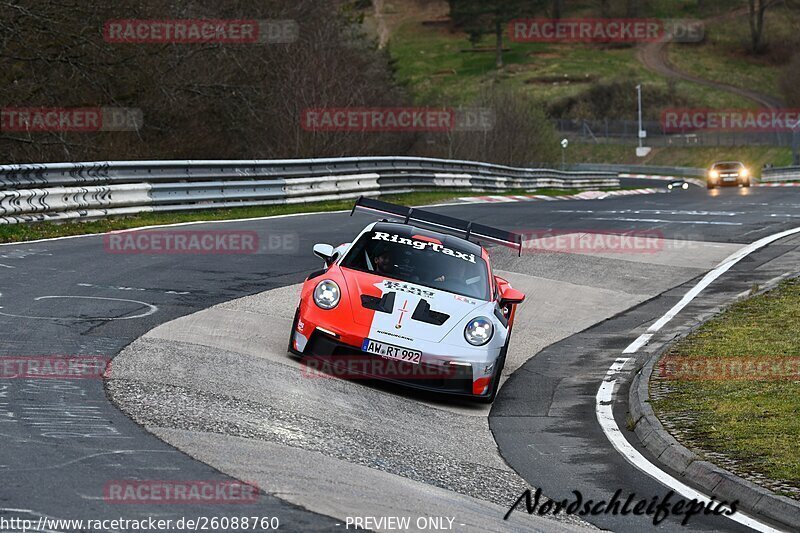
column 780, row 174
column 64, row 191
column 689, row 172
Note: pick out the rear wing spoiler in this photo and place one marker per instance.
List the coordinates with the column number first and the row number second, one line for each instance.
column 460, row 228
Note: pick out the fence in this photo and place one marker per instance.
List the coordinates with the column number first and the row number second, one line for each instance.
column 626, row 132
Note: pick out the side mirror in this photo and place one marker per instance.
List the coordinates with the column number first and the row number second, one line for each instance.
column 508, row 295
column 511, row 296
column 325, row 252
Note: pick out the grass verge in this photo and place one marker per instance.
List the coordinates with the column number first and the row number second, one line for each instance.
column 46, row 230
column 681, row 156
column 745, row 420
column 724, row 57
column 438, row 65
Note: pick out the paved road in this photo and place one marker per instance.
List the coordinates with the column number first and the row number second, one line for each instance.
column 62, row 442
column 545, row 421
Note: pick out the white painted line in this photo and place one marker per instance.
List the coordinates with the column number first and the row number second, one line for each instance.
column 660, row 220
column 723, row 267
column 605, row 416
column 178, row 224
column 470, row 199
column 604, row 401
column 643, row 339
column 152, row 309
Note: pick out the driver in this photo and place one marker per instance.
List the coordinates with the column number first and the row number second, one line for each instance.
column 384, row 262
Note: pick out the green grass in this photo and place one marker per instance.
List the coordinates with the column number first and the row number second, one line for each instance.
column 723, row 57
column 432, row 63
column 701, row 157
column 45, row 230
column 753, row 423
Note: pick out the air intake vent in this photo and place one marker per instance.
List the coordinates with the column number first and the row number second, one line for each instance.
column 423, row 313
column 382, row 305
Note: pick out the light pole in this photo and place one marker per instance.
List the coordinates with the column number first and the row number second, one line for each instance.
column 641, row 151
column 564, row 144
column 639, row 97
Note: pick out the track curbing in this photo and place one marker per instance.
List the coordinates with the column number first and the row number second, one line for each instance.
column 689, row 466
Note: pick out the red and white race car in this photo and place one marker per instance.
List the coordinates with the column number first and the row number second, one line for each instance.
column 408, row 304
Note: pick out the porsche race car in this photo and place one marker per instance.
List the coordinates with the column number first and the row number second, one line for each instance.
column 420, row 302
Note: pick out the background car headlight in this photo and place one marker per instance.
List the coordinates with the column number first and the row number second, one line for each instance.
column 713, row 174
column 327, row 294
column 479, row 331
column 744, row 173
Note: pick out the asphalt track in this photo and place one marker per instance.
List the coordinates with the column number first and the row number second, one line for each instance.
column 63, row 442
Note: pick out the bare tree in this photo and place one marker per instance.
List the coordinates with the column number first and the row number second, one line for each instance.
column 757, row 9
column 198, row 101
column 558, row 9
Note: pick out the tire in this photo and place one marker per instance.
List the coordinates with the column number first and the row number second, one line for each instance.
column 495, row 386
column 747, row 183
column 290, row 348
column 709, row 186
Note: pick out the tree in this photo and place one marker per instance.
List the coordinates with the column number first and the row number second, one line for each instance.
column 481, row 17
column 558, row 8
column 199, row 101
column 521, row 133
column 789, row 82
column 756, row 17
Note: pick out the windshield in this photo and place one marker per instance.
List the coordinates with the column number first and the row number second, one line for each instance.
column 420, row 260
column 727, row 166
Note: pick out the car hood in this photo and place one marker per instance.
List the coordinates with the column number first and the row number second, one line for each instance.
column 406, row 311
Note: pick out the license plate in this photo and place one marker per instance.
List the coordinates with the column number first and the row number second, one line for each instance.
column 391, row 352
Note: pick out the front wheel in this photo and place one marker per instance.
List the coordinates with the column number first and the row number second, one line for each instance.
column 709, row 186
column 291, row 349
column 495, row 386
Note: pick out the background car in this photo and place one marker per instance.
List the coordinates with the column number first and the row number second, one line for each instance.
column 677, row 184
column 733, row 173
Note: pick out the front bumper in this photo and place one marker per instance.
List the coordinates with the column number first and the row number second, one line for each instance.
column 729, row 181
column 326, row 353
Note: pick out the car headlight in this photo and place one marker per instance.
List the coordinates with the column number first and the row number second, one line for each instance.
column 713, row 174
column 744, row 173
column 327, row 294
column 479, row 331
